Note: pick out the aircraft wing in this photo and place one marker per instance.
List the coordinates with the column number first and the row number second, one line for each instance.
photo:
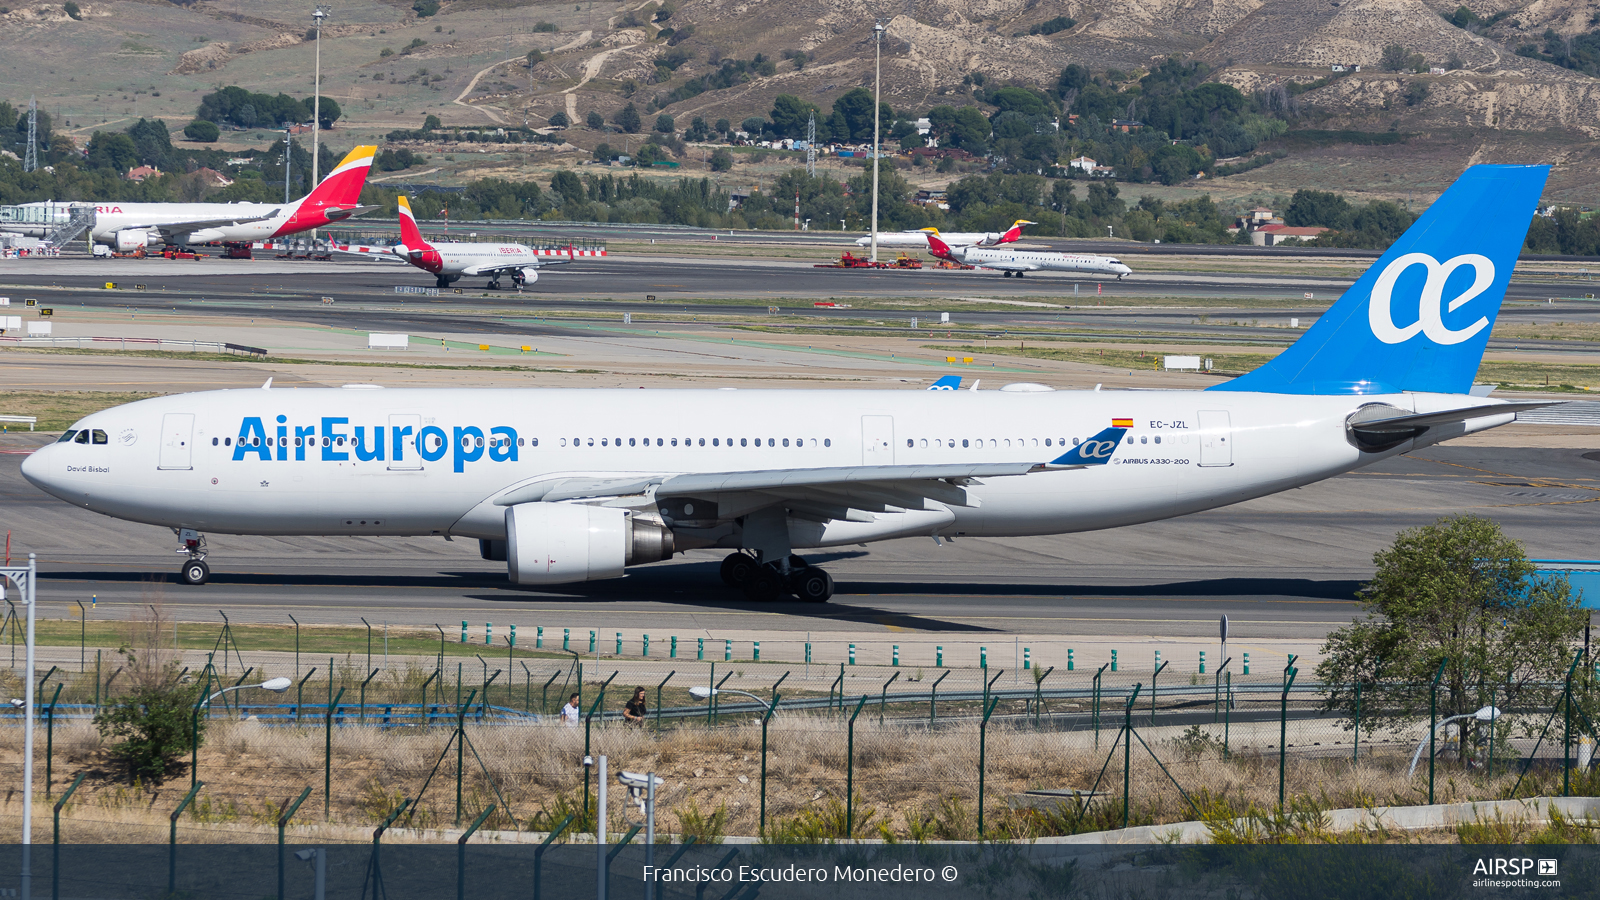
column 510, row 266
column 170, row 230
column 945, row 483
column 1005, row 265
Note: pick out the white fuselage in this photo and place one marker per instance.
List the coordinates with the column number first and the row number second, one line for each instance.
column 1006, row 259
column 366, row 461
column 112, row 217
column 466, row 258
column 919, row 239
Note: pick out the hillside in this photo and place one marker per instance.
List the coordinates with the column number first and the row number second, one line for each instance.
column 389, row 67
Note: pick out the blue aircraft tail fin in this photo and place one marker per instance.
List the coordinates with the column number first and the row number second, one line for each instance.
column 1419, row 318
column 1095, row 451
column 947, row 383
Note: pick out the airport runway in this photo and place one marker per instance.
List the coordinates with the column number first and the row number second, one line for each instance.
column 363, row 297
column 1283, row 567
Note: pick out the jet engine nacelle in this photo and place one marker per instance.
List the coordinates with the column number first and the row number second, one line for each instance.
column 129, row 241
column 530, row 275
column 560, row 543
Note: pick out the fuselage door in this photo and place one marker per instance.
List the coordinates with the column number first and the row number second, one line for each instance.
column 403, row 428
column 877, row 440
column 1216, row 438
column 177, row 439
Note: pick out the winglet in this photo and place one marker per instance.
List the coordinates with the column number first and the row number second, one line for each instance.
column 1095, row 451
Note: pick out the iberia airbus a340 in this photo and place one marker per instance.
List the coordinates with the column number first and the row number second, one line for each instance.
column 127, row 227
column 572, row 485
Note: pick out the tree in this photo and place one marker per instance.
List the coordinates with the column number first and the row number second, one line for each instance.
column 202, row 131
column 1416, row 92
column 753, row 126
column 1394, row 58
column 1312, row 208
column 559, row 120
column 852, row 115
column 72, row 11
column 535, row 57
column 595, row 121
column 627, row 118
column 721, row 161
column 568, row 186
column 112, row 151
column 152, row 728
column 665, row 124
column 431, row 123
column 723, row 126
column 329, row 112
column 1456, row 592
column 790, row 115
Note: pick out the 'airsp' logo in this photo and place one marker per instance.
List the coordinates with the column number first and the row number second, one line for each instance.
column 1430, row 313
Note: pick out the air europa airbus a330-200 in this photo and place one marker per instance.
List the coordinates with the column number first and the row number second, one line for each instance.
column 574, row 485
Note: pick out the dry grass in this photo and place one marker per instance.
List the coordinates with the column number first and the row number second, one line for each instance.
column 909, row 780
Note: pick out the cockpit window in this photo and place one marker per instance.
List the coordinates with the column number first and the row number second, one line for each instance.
column 99, row 437
column 82, row 438
column 67, row 436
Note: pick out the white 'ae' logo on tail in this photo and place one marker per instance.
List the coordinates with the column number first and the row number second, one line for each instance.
column 1430, row 312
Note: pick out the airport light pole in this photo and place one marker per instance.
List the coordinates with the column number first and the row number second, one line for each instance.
column 877, row 88
column 317, row 16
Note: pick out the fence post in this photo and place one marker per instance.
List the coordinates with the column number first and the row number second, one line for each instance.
column 933, row 698
column 327, row 755
column 1289, row 672
column 1433, row 721
column 658, row 697
column 55, row 839
column 364, row 694
column 461, row 748
column 461, row 852
column 883, row 696
column 716, row 695
column 194, row 739
column 983, row 746
column 850, row 772
column 97, row 679
column 538, row 855
column 1227, row 717
column 544, row 693
column 422, row 708
column 764, row 720
column 375, row 867
column 1038, row 693
column 1127, row 752
column 1097, row 675
column 172, row 839
column 1355, row 754
column 1159, row 666
column 299, row 692
column 1566, row 735
column 50, row 739
column 1216, row 691
column 289, row 809
column 588, row 724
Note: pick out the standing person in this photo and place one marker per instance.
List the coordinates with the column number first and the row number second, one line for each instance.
column 570, row 712
column 635, row 711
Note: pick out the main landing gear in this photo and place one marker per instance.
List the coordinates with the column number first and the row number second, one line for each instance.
column 194, row 571
column 765, row 582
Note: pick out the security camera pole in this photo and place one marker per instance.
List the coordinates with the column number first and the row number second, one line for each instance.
column 24, row 579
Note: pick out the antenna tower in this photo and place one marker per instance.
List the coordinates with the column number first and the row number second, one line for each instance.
column 30, row 162
column 811, row 145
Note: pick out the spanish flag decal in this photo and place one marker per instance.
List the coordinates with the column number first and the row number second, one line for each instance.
column 1121, row 423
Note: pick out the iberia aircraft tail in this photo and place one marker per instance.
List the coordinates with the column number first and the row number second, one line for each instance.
column 337, row 196
column 1014, row 232
column 410, row 235
column 939, row 248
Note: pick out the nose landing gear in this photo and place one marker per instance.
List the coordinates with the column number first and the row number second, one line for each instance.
column 194, row 571
column 766, row 582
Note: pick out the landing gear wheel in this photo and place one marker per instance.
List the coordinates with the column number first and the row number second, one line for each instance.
column 441, row 282
column 494, row 285
column 1020, row 274
column 765, row 586
column 813, row 585
column 195, row 572
column 1006, row 274
column 737, row 570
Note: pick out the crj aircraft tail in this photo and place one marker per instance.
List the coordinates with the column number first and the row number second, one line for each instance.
column 1419, row 318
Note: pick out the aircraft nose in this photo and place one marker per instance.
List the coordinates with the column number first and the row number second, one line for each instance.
column 36, row 467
